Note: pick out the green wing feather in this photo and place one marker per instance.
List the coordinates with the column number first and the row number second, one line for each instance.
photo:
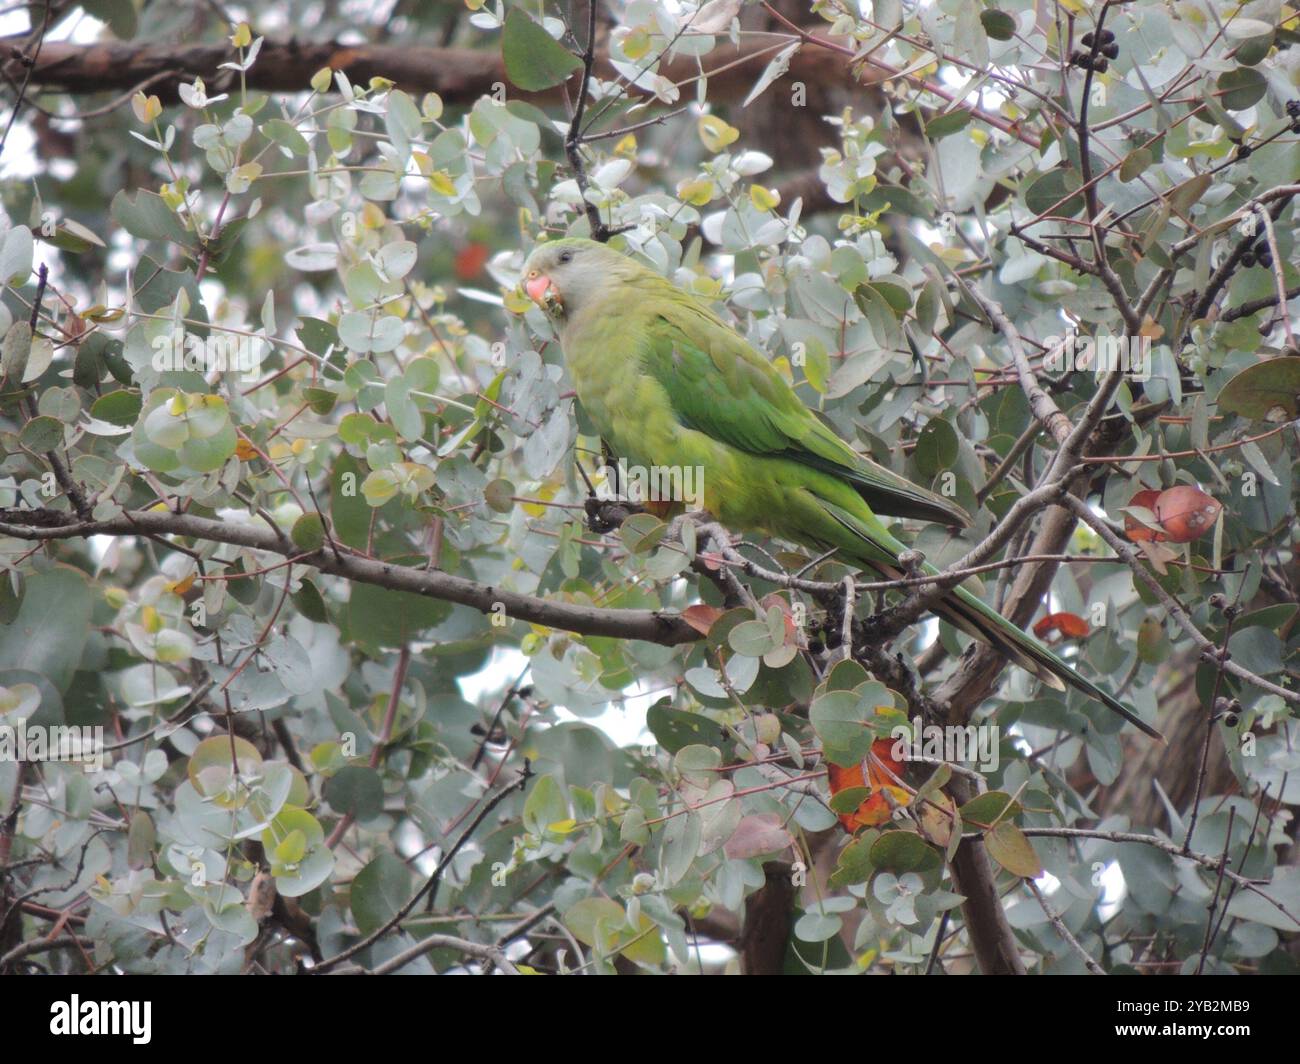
column 719, row 385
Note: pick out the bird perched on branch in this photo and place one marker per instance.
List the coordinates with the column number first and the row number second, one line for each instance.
column 670, row 384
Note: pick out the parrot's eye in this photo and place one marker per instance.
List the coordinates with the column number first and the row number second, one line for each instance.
column 566, row 256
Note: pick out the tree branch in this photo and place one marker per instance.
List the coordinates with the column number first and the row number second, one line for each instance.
column 459, row 75
column 655, row 626
column 1208, row 651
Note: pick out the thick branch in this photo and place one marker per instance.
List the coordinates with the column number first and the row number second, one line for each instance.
column 654, row 626
column 459, row 75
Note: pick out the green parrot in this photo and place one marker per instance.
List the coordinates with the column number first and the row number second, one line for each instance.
column 669, row 384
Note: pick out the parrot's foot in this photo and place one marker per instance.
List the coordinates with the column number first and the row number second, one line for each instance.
column 607, row 515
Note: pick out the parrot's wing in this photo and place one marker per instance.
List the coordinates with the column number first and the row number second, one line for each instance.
column 719, row 385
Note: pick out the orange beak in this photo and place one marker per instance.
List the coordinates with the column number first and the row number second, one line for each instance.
column 538, row 289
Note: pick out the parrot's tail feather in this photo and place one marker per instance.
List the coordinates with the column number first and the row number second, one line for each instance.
column 979, row 620
column 976, row 618
column 971, row 620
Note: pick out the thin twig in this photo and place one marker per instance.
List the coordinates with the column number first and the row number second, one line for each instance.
column 1093, row 967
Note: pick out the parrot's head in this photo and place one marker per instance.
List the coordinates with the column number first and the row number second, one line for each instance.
column 560, row 276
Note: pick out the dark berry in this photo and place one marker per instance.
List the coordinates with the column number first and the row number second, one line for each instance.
column 1107, row 37
column 1295, row 126
column 1293, row 108
column 1261, row 246
column 1086, row 40
column 1244, row 151
column 1248, row 260
column 1111, row 51
column 1266, row 260
column 1100, row 65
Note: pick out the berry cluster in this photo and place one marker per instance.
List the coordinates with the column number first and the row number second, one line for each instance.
column 1260, row 253
column 1102, row 48
column 1293, row 113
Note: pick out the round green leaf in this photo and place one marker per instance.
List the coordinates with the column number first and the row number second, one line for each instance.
column 1267, row 391
column 356, row 790
column 534, row 59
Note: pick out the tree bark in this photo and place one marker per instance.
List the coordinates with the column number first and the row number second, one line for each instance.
column 459, row 75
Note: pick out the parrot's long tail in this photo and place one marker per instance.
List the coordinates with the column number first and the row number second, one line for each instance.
column 979, row 620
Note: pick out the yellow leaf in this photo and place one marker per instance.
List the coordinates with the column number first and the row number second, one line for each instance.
column 637, row 43
column 515, row 301
column 697, row 193
column 146, row 108
column 764, row 199
column 179, row 587
column 320, row 81
column 544, row 494
column 171, row 196
column 706, row 286
column 715, row 134
column 442, row 183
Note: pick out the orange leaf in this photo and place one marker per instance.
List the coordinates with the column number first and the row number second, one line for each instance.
column 1070, row 625
column 876, row 809
column 701, row 617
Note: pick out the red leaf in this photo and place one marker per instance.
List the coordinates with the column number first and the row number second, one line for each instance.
column 470, row 261
column 1186, row 513
column 774, row 598
column 1135, row 529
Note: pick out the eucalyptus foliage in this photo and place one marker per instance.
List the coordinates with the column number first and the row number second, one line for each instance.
column 350, row 251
